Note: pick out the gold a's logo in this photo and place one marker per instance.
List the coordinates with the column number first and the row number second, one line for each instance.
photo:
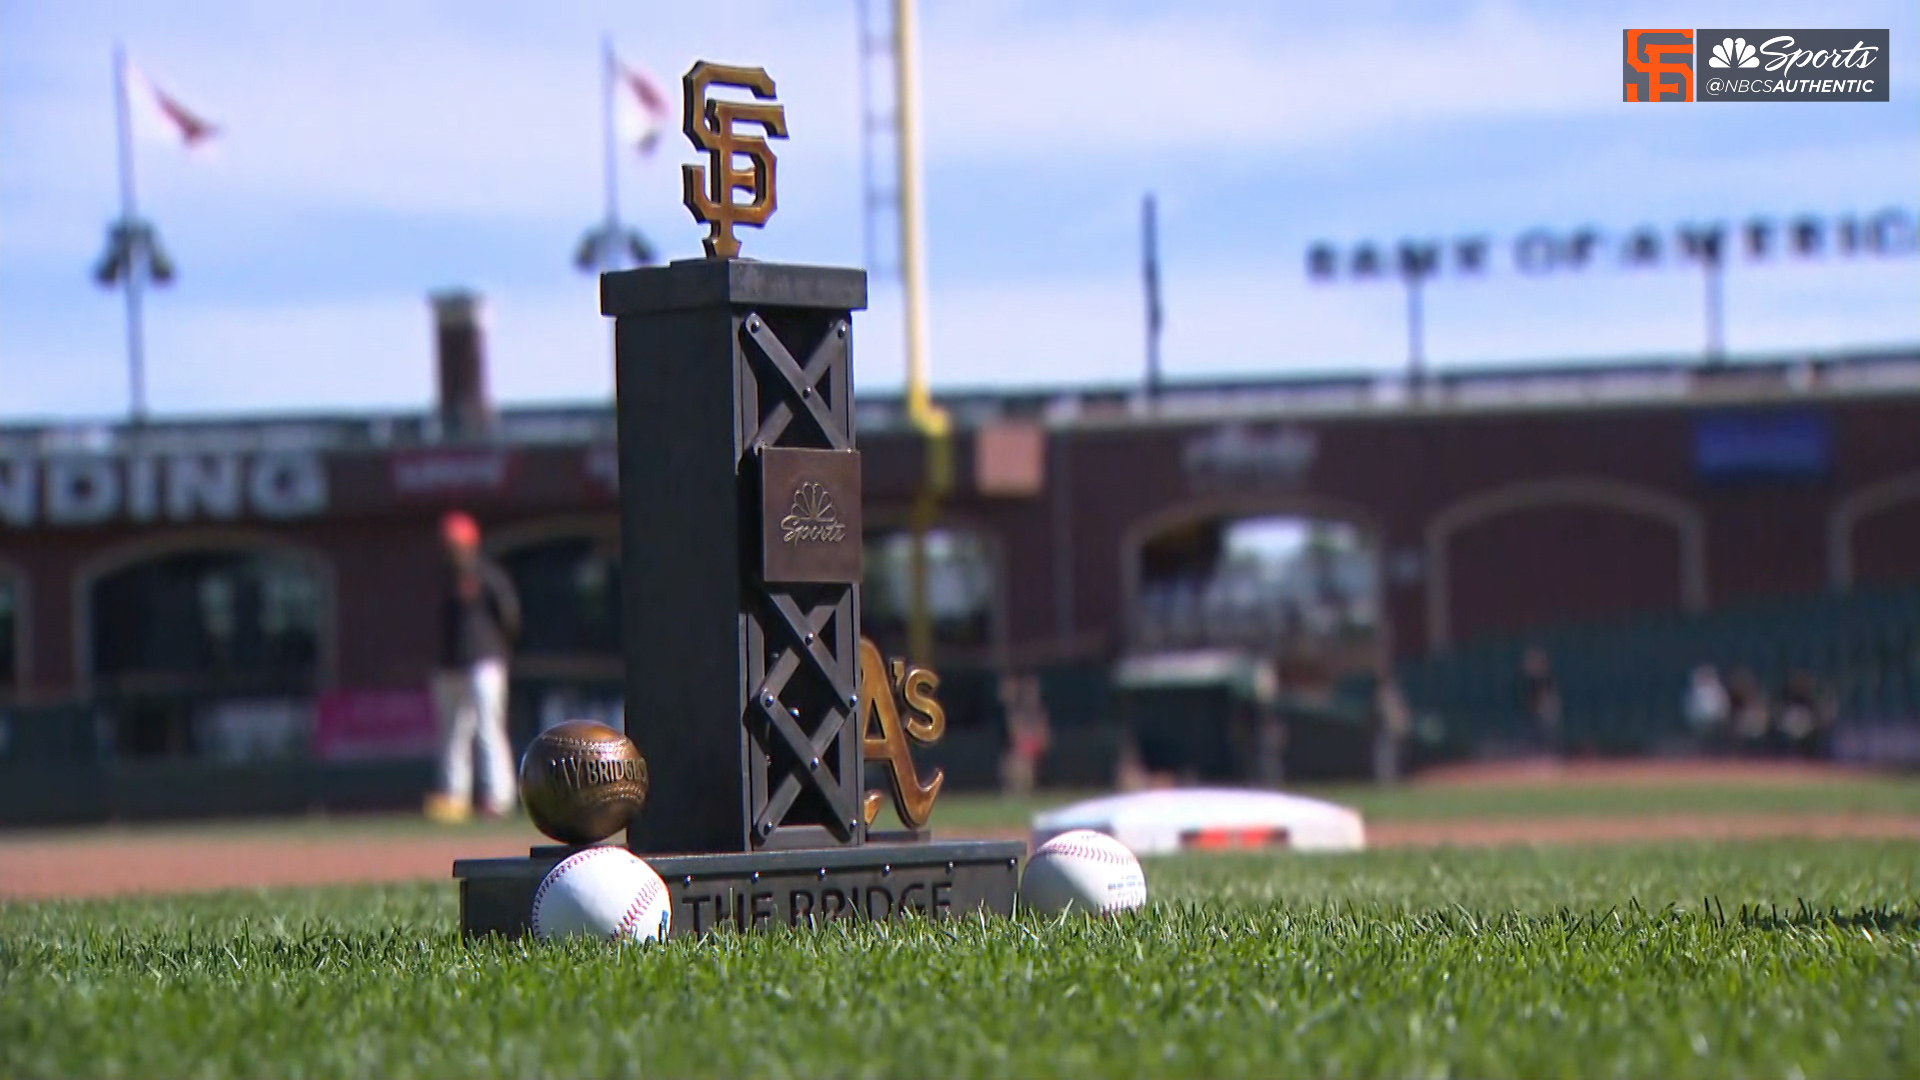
column 901, row 699
column 711, row 125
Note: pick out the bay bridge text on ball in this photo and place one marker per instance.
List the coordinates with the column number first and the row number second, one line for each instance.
column 94, row 489
column 1890, row 232
column 584, row 773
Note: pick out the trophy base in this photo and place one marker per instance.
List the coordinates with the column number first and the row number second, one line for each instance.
column 874, row 883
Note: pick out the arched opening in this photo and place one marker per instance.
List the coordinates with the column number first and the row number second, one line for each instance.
column 964, row 611
column 1615, row 549
column 1873, row 534
column 567, row 662
column 962, row 592
column 1301, row 591
column 569, row 597
column 209, row 652
column 1253, row 639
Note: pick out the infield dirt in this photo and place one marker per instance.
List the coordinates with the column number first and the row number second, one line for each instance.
column 121, row 861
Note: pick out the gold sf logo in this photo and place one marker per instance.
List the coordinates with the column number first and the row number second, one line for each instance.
column 906, row 710
column 708, row 189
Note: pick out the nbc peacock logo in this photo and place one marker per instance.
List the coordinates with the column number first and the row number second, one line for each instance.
column 812, row 517
column 1733, row 52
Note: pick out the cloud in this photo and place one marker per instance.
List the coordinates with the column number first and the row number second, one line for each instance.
column 450, row 142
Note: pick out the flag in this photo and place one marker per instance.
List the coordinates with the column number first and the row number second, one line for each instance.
column 158, row 116
column 640, row 108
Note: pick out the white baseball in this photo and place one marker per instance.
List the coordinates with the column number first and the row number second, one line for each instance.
column 1083, row 870
column 605, row 892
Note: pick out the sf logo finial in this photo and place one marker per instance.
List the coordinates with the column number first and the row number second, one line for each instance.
column 711, row 125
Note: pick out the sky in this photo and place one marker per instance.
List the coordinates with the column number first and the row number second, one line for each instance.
column 373, row 152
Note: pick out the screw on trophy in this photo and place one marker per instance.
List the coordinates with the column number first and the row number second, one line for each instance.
column 756, row 701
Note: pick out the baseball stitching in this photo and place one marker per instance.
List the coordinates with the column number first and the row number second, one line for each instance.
column 647, row 893
column 566, row 743
column 554, row 875
column 1105, row 855
column 1099, row 855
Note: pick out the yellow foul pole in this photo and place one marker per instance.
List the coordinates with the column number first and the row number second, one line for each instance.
column 929, row 420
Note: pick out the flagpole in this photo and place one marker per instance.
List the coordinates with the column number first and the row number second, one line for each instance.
column 608, row 77
column 1150, row 251
column 136, row 247
column 609, row 258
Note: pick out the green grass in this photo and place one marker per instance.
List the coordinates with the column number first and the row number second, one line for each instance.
column 1775, row 959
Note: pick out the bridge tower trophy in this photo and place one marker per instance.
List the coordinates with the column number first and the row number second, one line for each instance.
column 755, row 701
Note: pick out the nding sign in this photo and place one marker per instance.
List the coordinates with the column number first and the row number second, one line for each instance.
column 78, row 490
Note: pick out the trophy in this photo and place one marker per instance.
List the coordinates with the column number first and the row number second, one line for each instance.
column 757, row 705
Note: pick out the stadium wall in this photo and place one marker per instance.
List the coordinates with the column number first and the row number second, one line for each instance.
column 1489, row 517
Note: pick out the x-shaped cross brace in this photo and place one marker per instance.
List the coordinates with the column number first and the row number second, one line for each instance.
column 803, row 630
column 802, row 381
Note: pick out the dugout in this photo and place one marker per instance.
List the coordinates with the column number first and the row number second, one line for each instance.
column 1208, row 716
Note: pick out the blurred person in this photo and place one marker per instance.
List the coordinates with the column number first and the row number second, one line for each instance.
column 1129, row 773
column 1708, row 706
column 1269, row 748
column 1540, row 697
column 1028, row 734
column 1806, row 716
column 479, row 619
column 1392, row 724
column 1748, row 707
